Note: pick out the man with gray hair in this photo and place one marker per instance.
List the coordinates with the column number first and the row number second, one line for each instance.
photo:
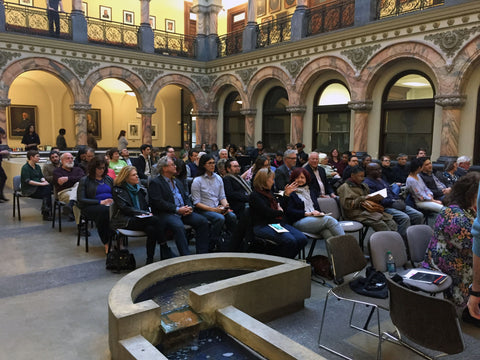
column 282, row 174
column 463, row 163
column 65, row 180
column 223, row 154
column 170, row 202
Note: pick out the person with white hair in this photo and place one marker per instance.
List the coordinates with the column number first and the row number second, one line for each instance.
column 223, row 154
column 463, row 163
column 329, row 170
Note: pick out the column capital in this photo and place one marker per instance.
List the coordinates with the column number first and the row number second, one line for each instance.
column 206, row 113
column 248, row 111
column 5, row 102
column 364, row 106
column 80, row 107
column 296, row 109
column 450, row 101
column 147, row 110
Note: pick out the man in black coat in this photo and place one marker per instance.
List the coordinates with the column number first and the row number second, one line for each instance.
column 143, row 163
column 282, row 174
column 236, row 189
column 318, row 178
column 171, row 204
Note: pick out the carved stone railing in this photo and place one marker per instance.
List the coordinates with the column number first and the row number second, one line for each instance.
column 230, row 44
column 275, row 31
column 112, row 33
column 33, row 20
column 389, row 8
column 327, row 18
column 167, row 43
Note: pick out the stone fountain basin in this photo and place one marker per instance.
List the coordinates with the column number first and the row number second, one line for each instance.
column 239, row 305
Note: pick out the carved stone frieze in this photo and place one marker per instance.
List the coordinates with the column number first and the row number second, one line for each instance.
column 360, row 105
column 205, row 81
column 451, row 41
column 294, row 66
column 146, row 110
column 81, row 67
column 246, row 74
column 80, row 107
column 296, row 109
column 359, row 56
column 148, row 74
column 246, row 112
column 6, row 56
column 450, row 101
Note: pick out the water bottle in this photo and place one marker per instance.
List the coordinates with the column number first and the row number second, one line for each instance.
column 391, row 268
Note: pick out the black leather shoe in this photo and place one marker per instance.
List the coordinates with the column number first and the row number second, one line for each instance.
column 466, row 317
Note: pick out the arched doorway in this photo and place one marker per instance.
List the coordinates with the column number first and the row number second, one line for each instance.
column 276, row 120
column 407, row 114
column 233, row 120
column 331, row 117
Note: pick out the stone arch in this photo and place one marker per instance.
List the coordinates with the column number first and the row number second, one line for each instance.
column 429, row 60
column 465, row 63
column 222, row 83
column 200, row 102
column 62, row 72
column 263, row 76
column 320, row 66
column 132, row 79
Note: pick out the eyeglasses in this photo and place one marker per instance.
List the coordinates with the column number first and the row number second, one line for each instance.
column 292, row 158
column 210, row 163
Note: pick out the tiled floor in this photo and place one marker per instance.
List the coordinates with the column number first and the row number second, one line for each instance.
column 54, row 294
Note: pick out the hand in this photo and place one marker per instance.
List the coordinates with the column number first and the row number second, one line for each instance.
column 106, row 202
column 447, row 190
column 45, row 183
column 62, row 180
column 474, row 306
column 184, row 210
column 316, row 213
column 290, row 188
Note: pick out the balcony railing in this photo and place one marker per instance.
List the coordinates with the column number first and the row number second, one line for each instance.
column 389, row 8
column 331, row 17
column 112, row 33
column 230, row 43
column 274, row 32
column 167, row 43
column 33, row 20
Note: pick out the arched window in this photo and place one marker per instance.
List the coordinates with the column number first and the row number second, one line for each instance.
column 233, row 120
column 331, row 117
column 276, row 120
column 407, row 114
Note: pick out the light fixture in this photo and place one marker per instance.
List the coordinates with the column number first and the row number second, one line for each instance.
column 239, row 102
column 415, row 84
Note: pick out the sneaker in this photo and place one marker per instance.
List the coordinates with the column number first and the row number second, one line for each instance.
column 466, row 317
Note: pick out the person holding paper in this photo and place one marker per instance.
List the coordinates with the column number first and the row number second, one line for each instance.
column 268, row 216
column 403, row 214
column 131, row 211
column 303, row 210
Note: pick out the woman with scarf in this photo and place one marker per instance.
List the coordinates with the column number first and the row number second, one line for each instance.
column 267, row 214
column 131, row 211
column 303, row 210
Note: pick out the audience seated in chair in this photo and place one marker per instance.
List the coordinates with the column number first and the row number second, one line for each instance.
column 318, row 179
column 48, row 168
column 352, row 195
column 352, row 162
column 282, row 174
column 401, row 170
column 143, row 163
column 34, row 184
column 438, row 189
column 463, row 163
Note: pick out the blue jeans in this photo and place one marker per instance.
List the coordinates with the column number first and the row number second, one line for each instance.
column 199, row 223
column 216, row 224
column 289, row 243
column 405, row 218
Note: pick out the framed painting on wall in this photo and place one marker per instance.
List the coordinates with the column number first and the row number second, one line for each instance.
column 169, row 25
column 274, row 5
column 20, row 118
column 26, row 2
column 261, row 7
column 153, row 22
column 128, row 17
column 85, row 8
column 154, row 131
column 94, row 123
column 133, row 131
column 105, row 13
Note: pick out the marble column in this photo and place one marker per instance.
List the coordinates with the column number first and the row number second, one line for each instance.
column 79, row 23
column 206, row 127
column 296, row 118
column 250, row 115
column 145, row 33
column 300, row 21
column 360, row 123
column 3, row 118
column 80, row 114
column 249, row 39
column 451, row 115
column 146, row 113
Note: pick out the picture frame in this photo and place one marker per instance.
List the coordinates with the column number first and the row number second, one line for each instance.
column 19, row 118
column 94, row 123
column 133, row 131
column 169, row 25
column 274, row 5
column 105, row 13
column 85, row 8
column 154, row 131
column 289, row 3
column 128, row 17
column 26, row 2
column 153, row 22
column 261, row 8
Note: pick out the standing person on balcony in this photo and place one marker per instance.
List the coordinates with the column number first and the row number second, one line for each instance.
column 53, row 17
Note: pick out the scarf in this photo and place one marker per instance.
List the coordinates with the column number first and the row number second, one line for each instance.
column 133, row 190
column 304, row 195
column 242, row 182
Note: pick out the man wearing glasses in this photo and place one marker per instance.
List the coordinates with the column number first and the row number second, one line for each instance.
column 282, row 174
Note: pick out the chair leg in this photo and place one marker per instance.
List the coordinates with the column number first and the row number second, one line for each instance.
column 59, row 217
column 18, row 209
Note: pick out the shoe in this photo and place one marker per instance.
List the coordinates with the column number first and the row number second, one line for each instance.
column 2, row 197
column 149, row 261
column 466, row 317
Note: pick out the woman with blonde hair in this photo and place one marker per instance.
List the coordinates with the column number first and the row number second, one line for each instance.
column 131, row 210
column 268, row 217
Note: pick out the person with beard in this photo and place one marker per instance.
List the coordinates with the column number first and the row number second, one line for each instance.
column 49, row 168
